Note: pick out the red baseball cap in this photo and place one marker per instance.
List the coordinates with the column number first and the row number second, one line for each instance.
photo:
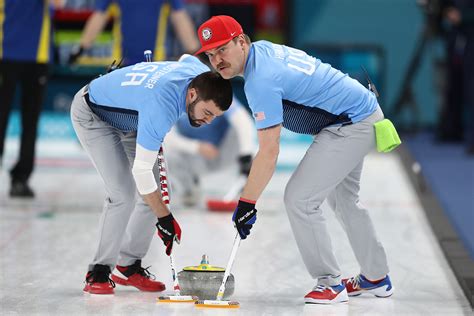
column 217, row 31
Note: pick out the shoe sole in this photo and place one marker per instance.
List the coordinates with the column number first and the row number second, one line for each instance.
column 119, row 280
column 342, row 297
column 380, row 292
column 98, row 292
column 19, row 196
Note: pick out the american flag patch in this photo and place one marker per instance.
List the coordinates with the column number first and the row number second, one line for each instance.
column 259, row 116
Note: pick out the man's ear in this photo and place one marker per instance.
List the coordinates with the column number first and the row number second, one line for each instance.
column 192, row 94
column 242, row 40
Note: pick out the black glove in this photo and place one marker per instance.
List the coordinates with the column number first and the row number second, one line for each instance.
column 244, row 217
column 75, row 53
column 245, row 163
column 169, row 231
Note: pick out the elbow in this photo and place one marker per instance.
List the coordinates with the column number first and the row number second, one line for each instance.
column 144, row 178
column 274, row 152
column 271, row 153
column 136, row 173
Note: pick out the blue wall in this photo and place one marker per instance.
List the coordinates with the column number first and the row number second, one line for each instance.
column 393, row 24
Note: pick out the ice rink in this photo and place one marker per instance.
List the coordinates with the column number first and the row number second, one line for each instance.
column 47, row 243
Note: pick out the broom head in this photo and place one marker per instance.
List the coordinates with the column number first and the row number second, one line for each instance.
column 221, row 205
column 177, row 299
column 216, row 304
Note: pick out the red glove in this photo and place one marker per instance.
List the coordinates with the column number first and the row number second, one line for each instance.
column 169, row 231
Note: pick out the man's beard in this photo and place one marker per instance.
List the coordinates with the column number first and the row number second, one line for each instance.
column 191, row 117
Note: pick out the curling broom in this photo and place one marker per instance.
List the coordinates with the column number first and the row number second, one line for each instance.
column 218, row 302
column 177, row 297
column 230, row 200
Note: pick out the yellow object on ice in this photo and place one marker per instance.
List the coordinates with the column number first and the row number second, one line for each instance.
column 217, row 304
column 204, row 266
column 386, row 136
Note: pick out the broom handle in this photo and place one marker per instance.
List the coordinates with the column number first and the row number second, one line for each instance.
column 166, row 200
column 235, row 190
column 220, row 294
column 176, row 288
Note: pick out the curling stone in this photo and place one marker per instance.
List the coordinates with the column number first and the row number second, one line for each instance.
column 204, row 280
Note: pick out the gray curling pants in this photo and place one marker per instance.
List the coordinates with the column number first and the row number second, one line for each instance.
column 127, row 224
column 331, row 168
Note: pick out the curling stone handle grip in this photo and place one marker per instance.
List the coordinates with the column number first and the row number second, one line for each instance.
column 205, row 259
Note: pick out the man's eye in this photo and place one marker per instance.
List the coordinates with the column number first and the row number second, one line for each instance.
column 222, row 49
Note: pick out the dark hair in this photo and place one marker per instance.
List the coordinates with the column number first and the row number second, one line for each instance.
column 211, row 86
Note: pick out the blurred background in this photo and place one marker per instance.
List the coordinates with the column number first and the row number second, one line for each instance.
column 407, row 61
column 419, row 54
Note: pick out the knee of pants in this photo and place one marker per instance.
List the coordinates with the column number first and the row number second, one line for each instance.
column 126, row 198
column 296, row 202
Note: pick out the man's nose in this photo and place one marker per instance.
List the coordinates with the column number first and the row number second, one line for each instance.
column 216, row 59
column 209, row 118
